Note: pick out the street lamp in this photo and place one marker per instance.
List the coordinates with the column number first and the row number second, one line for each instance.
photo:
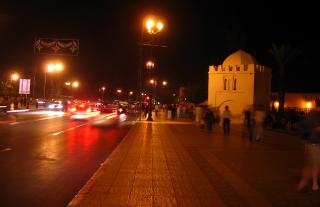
column 75, row 84
column 150, row 64
column 150, row 26
column 164, row 83
column 103, row 88
column 153, row 27
column 15, row 76
column 51, row 68
column 119, row 91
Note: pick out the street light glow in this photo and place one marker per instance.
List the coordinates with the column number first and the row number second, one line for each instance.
column 119, row 91
column 54, row 67
column 58, row 67
column 164, row 83
column 153, row 27
column 15, row 76
column 103, row 88
column 75, row 84
column 309, row 105
column 152, row 81
column 159, row 26
column 67, row 83
column 149, row 24
column 150, row 64
column 130, row 93
column 50, row 68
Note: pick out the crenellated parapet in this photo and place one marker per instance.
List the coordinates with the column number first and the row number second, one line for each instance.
column 250, row 68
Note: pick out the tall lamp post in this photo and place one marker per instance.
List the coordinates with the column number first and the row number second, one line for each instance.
column 151, row 27
column 74, row 85
column 14, row 78
column 51, row 68
column 150, row 67
column 103, row 88
column 119, row 91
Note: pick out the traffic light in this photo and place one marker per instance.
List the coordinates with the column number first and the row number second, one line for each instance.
column 148, row 98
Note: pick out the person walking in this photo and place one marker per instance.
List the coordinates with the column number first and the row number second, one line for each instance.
column 209, row 119
column 259, row 118
column 312, row 152
column 247, row 124
column 226, row 118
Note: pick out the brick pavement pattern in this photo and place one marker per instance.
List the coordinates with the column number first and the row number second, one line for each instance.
column 174, row 163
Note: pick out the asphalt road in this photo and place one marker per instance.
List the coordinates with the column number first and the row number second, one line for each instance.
column 45, row 160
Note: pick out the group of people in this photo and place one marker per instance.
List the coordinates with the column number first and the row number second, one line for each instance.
column 253, row 121
column 253, row 127
column 210, row 118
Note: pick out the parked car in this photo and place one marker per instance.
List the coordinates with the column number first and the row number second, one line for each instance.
column 3, row 110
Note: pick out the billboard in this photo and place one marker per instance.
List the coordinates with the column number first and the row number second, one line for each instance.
column 24, row 86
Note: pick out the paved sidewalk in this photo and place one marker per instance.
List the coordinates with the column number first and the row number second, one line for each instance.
column 173, row 163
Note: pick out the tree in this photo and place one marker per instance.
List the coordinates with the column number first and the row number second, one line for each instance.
column 282, row 54
column 6, row 88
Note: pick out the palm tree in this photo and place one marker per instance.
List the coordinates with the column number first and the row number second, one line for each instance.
column 282, row 54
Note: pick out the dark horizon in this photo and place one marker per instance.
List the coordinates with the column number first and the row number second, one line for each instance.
column 197, row 35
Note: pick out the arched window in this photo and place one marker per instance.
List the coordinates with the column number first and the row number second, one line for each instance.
column 225, row 84
column 234, row 84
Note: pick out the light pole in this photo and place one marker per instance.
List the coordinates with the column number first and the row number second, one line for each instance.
column 130, row 95
column 74, row 85
column 150, row 67
column 51, row 68
column 14, row 78
column 150, row 26
column 119, row 91
column 103, row 88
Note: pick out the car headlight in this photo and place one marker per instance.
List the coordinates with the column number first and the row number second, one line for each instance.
column 51, row 106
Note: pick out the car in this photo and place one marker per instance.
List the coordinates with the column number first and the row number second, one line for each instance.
column 56, row 105
column 111, row 115
column 83, row 110
column 3, row 110
column 107, row 107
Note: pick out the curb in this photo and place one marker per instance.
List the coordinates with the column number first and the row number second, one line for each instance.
column 77, row 199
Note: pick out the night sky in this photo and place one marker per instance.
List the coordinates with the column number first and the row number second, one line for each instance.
column 197, row 34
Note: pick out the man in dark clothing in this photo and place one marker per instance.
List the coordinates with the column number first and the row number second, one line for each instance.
column 248, row 123
column 209, row 119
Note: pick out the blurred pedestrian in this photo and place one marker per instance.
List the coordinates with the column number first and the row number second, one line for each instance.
column 312, row 152
column 247, row 123
column 174, row 111
column 259, row 118
column 226, row 117
column 209, row 119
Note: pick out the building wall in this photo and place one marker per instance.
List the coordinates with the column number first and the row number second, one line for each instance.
column 262, row 85
column 232, row 86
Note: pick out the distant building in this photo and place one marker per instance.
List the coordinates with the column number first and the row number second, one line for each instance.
column 239, row 82
column 182, row 94
column 301, row 101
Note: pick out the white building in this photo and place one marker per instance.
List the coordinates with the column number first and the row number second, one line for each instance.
column 239, row 82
